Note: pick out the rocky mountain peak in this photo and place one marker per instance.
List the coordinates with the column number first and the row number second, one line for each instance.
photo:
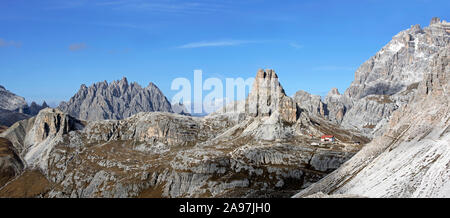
column 10, row 101
column 116, row 100
column 52, row 122
column 411, row 157
column 14, row 108
column 83, row 87
column 333, row 91
column 124, row 81
column 390, row 78
column 435, row 20
column 152, row 86
column 33, row 109
column 122, row 84
column 268, row 97
column 439, row 27
column 266, row 81
column 268, row 73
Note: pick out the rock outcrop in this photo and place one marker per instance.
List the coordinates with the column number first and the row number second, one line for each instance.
column 117, row 100
column 389, row 79
column 411, row 158
column 35, row 138
column 10, row 101
column 386, row 81
column 267, row 97
column 335, row 106
column 265, row 146
column 33, row 109
column 265, row 152
column 311, row 103
column 13, row 108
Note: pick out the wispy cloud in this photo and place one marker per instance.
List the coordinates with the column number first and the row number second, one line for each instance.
column 295, row 45
column 219, row 43
column 10, row 43
column 77, row 46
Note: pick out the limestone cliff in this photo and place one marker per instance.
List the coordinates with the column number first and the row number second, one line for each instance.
column 265, row 152
column 411, row 158
column 116, row 100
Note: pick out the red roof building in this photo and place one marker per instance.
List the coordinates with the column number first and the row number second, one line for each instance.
column 327, row 138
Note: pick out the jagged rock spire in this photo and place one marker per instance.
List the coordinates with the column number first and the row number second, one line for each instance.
column 334, row 91
column 267, row 97
column 435, row 20
column 116, row 100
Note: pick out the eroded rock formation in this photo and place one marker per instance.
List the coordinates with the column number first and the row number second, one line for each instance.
column 411, row 159
column 385, row 82
column 264, row 152
column 116, row 100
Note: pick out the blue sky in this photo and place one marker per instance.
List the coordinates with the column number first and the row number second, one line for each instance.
column 48, row 48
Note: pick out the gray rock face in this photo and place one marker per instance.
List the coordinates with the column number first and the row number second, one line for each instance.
column 13, row 108
column 266, row 152
column 33, row 109
column 10, row 101
column 267, row 97
column 335, row 106
column 332, row 108
column 311, row 103
column 117, row 100
column 386, row 81
column 411, row 158
column 180, row 109
column 389, row 79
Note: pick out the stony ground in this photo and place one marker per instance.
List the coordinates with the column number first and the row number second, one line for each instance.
column 266, row 152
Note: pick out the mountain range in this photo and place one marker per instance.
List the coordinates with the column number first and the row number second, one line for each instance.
column 117, row 100
column 390, row 130
column 384, row 83
column 14, row 108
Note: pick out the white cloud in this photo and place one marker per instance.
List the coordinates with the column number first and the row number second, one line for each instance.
column 295, row 45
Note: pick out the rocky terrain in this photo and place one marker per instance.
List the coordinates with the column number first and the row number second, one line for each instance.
column 122, row 140
column 263, row 150
column 116, row 100
column 32, row 109
column 383, row 83
column 411, row 158
column 10, row 101
column 14, row 108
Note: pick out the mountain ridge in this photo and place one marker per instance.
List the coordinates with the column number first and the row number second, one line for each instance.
column 384, row 82
column 262, row 151
column 268, row 145
column 14, row 108
column 410, row 159
column 116, row 100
